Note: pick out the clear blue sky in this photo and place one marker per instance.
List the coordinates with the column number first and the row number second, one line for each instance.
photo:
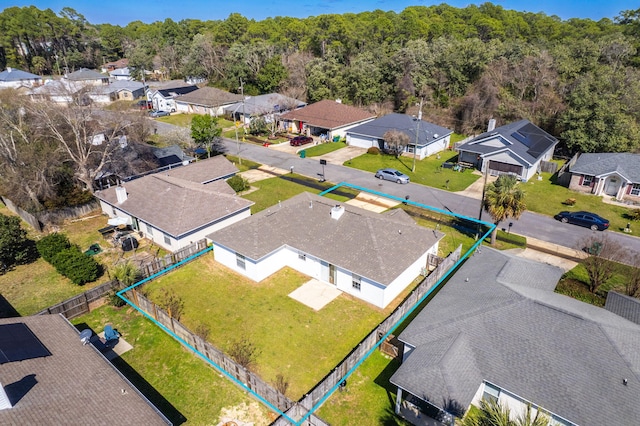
column 121, row 12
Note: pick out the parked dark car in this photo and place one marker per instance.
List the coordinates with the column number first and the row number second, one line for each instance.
column 300, row 140
column 586, row 219
column 393, row 175
column 159, row 114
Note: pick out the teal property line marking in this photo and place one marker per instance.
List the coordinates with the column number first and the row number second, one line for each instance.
column 369, row 352
column 185, row 343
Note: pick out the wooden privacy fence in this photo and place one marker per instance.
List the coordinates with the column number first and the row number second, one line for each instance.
column 358, row 354
column 79, row 304
column 248, row 378
column 162, row 263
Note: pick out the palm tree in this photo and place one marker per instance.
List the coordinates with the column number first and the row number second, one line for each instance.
column 491, row 413
column 503, row 199
column 127, row 273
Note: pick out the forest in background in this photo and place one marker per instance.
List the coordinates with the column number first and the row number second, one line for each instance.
column 578, row 79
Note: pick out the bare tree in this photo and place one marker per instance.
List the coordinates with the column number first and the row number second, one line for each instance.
column 395, row 141
column 244, row 352
column 601, row 264
column 632, row 286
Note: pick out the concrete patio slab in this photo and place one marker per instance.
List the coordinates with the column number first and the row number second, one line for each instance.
column 315, row 294
column 114, row 351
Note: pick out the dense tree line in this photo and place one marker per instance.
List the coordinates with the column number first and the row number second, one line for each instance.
column 578, row 79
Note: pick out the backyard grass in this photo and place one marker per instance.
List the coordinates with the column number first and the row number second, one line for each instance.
column 291, row 338
column 428, row 171
column 369, row 397
column 324, row 148
column 242, row 163
column 546, row 197
column 182, row 386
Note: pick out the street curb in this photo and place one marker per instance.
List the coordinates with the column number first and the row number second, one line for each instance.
column 556, row 250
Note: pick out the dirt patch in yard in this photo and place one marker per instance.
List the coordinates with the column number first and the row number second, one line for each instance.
column 244, row 415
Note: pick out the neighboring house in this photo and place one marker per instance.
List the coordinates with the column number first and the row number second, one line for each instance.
column 370, row 256
column 497, row 330
column 165, row 99
column 111, row 66
column 516, row 148
column 613, row 174
column 87, row 77
column 331, row 118
column 128, row 90
column 431, row 137
column 123, row 74
column 15, row 79
column 171, row 156
column 269, row 106
column 50, row 378
column 56, row 91
column 101, row 94
column 180, row 206
column 207, row 101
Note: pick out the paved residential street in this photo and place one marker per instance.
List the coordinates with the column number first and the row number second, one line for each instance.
column 530, row 224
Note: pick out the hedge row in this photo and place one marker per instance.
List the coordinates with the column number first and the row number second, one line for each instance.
column 68, row 259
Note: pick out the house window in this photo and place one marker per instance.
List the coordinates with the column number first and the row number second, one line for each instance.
column 587, row 180
column 635, row 189
column 355, row 281
column 302, row 256
column 240, row 261
column 149, row 229
column 113, row 210
column 167, row 240
column 491, row 392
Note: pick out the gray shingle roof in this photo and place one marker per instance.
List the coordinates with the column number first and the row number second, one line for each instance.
column 378, row 247
column 429, row 132
column 86, row 74
column 565, row 355
column 625, row 164
column 523, row 138
column 328, row 114
column 204, row 171
column 262, row 104
column 74, row 385
column 176, row 201
column 209, row 96
column 12, row 74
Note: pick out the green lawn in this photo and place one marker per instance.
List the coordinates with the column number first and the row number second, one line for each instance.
column 546, row 197
column 428, row 171
column 184, row 120
column 369, row 397
column 575, row 284
column 180, row 384
column 324, row 148
column 292, row 339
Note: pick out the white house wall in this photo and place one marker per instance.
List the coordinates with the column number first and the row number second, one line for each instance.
column 362, row 141
column 436, row 146
column 398, row 285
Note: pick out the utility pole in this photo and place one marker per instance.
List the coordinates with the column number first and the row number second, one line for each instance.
column 236, row 126
column 415, row 147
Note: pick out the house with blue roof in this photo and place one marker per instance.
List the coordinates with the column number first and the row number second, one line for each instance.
column 430, row 138
column 516, row 148
column 613, row 174
column 13, row 78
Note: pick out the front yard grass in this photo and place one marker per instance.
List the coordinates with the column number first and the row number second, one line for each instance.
column 575, row 283
column 428, row 171
column 182, row 386
column 291, row 339
column 324, row 148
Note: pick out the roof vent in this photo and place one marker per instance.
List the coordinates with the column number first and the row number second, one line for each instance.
column 4, row 399
column 435, row 136
column 337, row 211
column 311, row 204
column 121, row 194
column 9, row 69
column 492, row 125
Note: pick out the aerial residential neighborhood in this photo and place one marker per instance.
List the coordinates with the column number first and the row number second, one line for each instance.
column 425, row 217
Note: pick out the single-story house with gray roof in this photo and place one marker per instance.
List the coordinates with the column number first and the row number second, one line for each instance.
column 269, row 106
column 50, row 378
column 515, row 148
column 165, row 99
column 613, row 174
column 206, row 100
column 497, row 330
column 87, row 77
column 371, row 256
column 431, row 137
column 179, row 206
column 15, row 79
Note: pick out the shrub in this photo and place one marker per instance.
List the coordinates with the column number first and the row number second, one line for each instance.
column 172, row 303
column 374, row 150
column 238, row 183
column 76, row 266
column 15, row 247
column 569, row 202
column 115, row 300
column 51, row 245
column 633, row 214
column 244, row 353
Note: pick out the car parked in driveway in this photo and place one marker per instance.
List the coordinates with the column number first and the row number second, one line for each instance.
column 393, row 175
column 586, row 219
column 300, row 140
column 156, row 114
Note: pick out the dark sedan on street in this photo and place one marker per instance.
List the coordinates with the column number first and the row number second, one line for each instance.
column 300, row 140
column 586, row 219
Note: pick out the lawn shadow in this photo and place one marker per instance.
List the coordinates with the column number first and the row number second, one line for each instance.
column 6, row 309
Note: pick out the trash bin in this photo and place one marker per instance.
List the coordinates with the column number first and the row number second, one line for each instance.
column 303, row 154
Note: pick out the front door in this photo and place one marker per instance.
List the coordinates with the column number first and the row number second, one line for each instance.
column 612, row 186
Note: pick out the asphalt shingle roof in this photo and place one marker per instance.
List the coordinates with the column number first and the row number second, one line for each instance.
column 75, row 385
column 503, row 327
column 429, row 132
column 262, row 104
column 177, row 201
column 375, row 246
column 85, row 74
column 523, row 138
column 328, row 114
column 12, row 74
column 209, row 96
column 625, row 164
